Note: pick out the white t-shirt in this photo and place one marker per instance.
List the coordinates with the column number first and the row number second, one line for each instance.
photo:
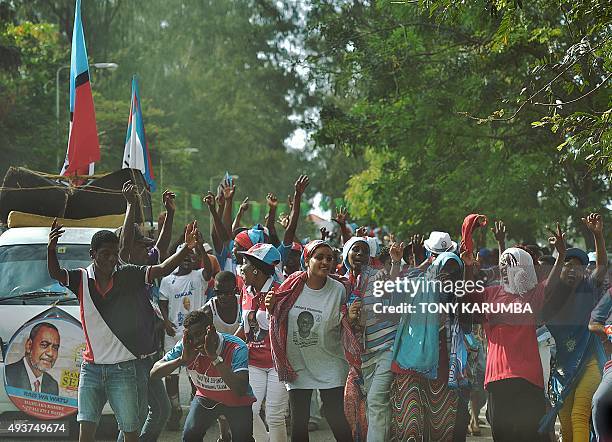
column 219, row 323
column 184, row 293
column 314, row 345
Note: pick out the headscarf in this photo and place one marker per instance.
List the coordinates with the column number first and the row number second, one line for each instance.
column 248, row 238
column 470, row 223
column 309, row 249
column 416, row 345
column 286, row 295
column 520, row 275
column 349, row 245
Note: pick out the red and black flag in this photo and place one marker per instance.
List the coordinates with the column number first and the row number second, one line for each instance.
column 83, row 144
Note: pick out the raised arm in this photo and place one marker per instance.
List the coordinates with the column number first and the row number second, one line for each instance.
column 558, row 241
column 272, row 201
column 229, row 190
column 300, row 186
column 172, row 262
column 418, row 249
column 207, row 269
column 396, row 251
column 219, row 228
column 165, row 234
column 341, row 218
column 499, row 232
column 244, row 206
column 126, row 239
column 216, row 241
column 594, row 223
column 53, row 266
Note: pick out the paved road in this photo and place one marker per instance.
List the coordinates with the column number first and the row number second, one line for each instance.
column 322, row 435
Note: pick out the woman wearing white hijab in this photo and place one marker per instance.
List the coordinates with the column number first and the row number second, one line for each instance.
column 513, row 378
column 366, row 401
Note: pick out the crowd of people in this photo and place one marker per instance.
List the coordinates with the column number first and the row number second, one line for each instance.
column 272, row 331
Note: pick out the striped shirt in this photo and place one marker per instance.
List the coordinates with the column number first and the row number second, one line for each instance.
column 379, row 331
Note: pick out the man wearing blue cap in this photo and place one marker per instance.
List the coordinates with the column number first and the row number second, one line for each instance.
column 580, row 356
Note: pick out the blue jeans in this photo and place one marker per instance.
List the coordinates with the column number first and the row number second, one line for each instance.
column 377, row 379
column 602, row 408
column 153, row 417
column 115, row 383
column 203, row 413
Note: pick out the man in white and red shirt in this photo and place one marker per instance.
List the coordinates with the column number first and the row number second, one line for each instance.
column 217, row 364
column 112, row 316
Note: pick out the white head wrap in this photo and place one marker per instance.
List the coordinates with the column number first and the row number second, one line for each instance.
column 517, row 271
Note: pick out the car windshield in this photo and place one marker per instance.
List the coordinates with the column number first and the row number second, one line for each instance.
column 23, row 268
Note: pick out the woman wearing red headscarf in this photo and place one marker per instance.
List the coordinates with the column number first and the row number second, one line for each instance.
column 309, row 332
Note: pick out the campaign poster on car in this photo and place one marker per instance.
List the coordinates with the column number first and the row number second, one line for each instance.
column 42, row 365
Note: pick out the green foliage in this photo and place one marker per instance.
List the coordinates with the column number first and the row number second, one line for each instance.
column 435, row 98
column 215, row 93
column 27, row 86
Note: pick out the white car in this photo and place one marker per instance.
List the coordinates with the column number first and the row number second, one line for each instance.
column 26, row 289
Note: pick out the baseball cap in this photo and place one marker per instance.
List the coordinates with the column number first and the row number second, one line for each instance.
column 266, row 253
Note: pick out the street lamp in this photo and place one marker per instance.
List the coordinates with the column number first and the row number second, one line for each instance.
column 109, row 66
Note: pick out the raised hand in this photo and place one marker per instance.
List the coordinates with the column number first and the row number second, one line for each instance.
column 272, row 200
column 396, row 251
column 228, row 189
column 191, row 235
column 129, row 192
column 557, row 240
column 199, row 238
column 210, row 342
column 283, row 219
column 301, row 184
column 55, row 234
column 189, row 350
column 219, row 197
column 244, row 206
column 168, row 201
column 418, row 245
column 594, row 223
column 209, row 199
column 499, row 231
column 341, row 215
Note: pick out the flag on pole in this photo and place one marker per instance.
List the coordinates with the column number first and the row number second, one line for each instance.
column 83, row 145
column 136, row 154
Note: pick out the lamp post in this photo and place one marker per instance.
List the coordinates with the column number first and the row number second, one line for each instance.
column 109, row 66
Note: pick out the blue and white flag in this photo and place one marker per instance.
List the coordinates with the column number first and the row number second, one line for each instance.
column 136, row 153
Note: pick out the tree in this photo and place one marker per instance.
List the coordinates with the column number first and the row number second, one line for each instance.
column 401, row 82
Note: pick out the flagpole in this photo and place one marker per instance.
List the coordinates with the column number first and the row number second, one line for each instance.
column 57, row 111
